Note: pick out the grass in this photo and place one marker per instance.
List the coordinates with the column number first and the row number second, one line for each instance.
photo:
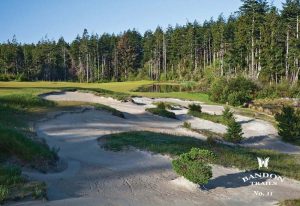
column 18, row 142
column 255, row 114
column 209, row 133
column 295, row 202
column 113, row 111
column 14, row 186
column 113, row 88
column 228, row 156
column 210, row 117
column 118, row 90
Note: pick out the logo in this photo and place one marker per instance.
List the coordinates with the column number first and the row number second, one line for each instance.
column 262, row 179
column 263, row 163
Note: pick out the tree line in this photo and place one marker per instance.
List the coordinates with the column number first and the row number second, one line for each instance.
column 258, row 41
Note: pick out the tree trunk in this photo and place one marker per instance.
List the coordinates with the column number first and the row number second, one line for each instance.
column 287, row 56
column 252, row 48
column 164, row 57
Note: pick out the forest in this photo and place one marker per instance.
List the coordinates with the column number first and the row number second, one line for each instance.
column 259, row 42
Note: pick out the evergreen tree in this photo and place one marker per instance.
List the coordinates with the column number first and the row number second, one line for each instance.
column 234, row 132
column 289, row 124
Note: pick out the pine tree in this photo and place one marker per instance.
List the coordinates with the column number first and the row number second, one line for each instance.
column 289, row 124
column 234, row 132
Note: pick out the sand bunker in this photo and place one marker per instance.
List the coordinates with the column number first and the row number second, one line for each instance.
column 96, row 177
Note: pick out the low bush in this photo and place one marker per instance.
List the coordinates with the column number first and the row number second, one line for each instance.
column 195, row 108
column 162, row 112
column 289, row 124
column 194, row 165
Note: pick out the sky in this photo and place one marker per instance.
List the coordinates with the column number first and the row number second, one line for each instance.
column 31, row 20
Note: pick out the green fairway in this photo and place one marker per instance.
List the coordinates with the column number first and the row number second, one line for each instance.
column 119, row 87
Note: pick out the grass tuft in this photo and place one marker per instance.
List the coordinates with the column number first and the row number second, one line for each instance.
column 113, row 111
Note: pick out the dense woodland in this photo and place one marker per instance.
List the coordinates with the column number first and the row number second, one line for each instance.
column 258, row 42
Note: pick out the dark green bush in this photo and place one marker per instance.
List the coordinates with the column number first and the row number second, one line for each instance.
column 238, row 98
column 289, row 124
column 162, row 112
column 235, row 91
column 194, row 165
column 234, row 132
column 216, row 90
column 195, row 108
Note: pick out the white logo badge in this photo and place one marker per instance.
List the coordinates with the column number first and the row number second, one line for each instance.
column 263, row 163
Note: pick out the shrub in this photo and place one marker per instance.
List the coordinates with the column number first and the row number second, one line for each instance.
column 194, row 165
column 236, row 91
column 234, row 132
column 238, row 98
column 187, row 125
column 216, row 90
column 289, row 124
column 161, row 105
column 227, row 114
column 162, row 112
column 195, row 108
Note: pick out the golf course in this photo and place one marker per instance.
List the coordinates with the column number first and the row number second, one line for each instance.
column 94, row 144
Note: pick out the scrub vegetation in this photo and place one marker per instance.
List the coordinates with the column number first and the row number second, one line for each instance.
column 228, row 156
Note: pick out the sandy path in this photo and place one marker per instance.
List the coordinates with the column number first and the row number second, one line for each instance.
column 97, row 177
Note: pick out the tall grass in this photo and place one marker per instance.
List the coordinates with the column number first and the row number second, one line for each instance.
column 15, row 143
